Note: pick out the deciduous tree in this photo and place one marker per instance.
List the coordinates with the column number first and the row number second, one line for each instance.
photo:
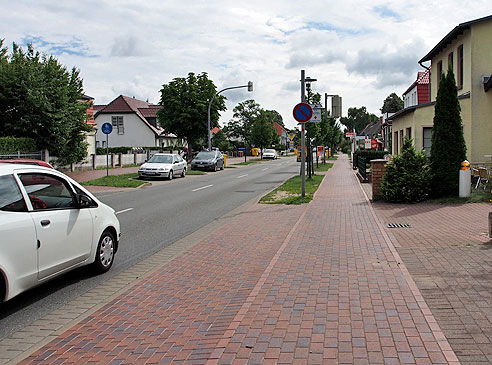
column 392, row 104
column 41, row 99
column 184, row 109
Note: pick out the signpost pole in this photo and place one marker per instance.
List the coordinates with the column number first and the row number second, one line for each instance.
column 303, row 141
column 107, row 154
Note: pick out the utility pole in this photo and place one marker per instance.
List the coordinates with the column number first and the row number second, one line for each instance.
column 303, row 142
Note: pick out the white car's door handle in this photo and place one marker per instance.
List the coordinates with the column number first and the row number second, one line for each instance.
column 45, row 222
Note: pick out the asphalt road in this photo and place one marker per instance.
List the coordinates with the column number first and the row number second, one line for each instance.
column 151, row 219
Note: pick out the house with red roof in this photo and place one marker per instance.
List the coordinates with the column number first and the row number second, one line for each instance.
column 134, row 122
column 282, row 132
column 418, row 92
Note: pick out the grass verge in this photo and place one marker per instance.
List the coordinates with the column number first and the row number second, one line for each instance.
column 249, row 162
column 290, row 191
column 194, row 172
column 475, row 197
column 120, row 181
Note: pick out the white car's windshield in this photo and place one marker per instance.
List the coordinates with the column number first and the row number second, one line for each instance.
column 269, row 151
column 161, row 159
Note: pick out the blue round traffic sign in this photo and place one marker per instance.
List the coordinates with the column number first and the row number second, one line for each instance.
column 107, row 128
column 302, row 112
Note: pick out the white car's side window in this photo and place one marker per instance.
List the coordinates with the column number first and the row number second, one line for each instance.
column 47, row 191
column 10, row 196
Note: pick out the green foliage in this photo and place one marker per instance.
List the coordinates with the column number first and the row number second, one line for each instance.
column 274, row 116
column 185, row 107
column 220, row 140
column 245, row 114
column 263, row 133
column 42, row 100
column 407, row 178
column 358, row 119
column 392, row 104
column 13, row 144
column 448, row 144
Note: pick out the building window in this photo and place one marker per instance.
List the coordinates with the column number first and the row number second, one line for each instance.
column 439, row 73
column 97, row 143
column 459, row 78
column 408, row 132
column 104, row 144
column 118, row 124
column 427, row 140
column 401, row 138
column 396, row 143
column 450, row 61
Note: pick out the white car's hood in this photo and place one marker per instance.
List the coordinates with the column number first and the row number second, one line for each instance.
column 156, row 166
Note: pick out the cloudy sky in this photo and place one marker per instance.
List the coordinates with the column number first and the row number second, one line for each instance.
column 362, row 50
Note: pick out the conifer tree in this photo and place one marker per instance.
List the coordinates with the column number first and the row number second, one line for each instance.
column 448, row 147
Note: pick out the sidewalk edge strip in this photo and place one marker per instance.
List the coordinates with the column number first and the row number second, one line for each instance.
column 429, row 317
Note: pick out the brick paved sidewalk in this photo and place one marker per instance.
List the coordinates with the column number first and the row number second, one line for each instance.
column 320, row 283
column 448, row 253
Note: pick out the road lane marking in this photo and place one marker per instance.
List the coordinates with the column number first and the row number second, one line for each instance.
column 203, row 187
column 265, row 169
column 242, row 176
column 123, row 211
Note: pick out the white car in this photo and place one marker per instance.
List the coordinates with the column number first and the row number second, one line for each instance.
column 270, row 153
column 163, row 165
column 49, row 224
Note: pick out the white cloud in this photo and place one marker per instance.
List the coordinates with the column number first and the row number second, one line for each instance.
column 359, row 50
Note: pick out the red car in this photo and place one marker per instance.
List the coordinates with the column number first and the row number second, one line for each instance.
column 28, row 161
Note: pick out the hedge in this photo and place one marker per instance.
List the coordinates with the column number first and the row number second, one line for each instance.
column 10, row 145
column 369, row 155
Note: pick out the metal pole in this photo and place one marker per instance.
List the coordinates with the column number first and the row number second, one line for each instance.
column 250, row 85
column 107, row 154
column 303, row 142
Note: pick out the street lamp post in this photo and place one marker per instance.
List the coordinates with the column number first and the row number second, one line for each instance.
column 308, row 80
column 250, row 88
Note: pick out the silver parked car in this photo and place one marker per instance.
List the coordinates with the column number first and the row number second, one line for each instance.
column 163, row 165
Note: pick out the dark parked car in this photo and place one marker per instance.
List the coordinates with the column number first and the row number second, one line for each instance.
column 208, row 160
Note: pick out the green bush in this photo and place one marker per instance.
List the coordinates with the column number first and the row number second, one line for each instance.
column 407, row 178
column 13, row 144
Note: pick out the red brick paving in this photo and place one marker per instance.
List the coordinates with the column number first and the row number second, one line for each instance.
column 313, row 284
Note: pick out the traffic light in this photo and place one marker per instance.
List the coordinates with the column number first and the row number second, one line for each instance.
column 250, row 86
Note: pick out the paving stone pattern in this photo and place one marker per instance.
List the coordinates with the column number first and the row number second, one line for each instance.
column 320, row 283
column 449, row 255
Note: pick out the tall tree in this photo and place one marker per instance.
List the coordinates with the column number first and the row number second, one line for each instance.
column 392, row 104
column 358, row 119
column 184, row 109
column 263, row 133
column 245, row 114
column 275, row 117
column 41, row 99
column 448, row 148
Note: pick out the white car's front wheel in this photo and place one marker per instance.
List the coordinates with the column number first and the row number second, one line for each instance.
column 170, row 176
column 105, row 252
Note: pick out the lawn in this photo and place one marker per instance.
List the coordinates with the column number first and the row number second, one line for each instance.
column 120, row 181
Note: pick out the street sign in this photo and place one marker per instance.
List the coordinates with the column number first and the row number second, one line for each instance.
column 302, row 112
column 316, row 118
column 107, row 128
column 291, row 135
column 350, row 134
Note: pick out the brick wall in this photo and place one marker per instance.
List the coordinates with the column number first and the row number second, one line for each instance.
column 378, row 168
